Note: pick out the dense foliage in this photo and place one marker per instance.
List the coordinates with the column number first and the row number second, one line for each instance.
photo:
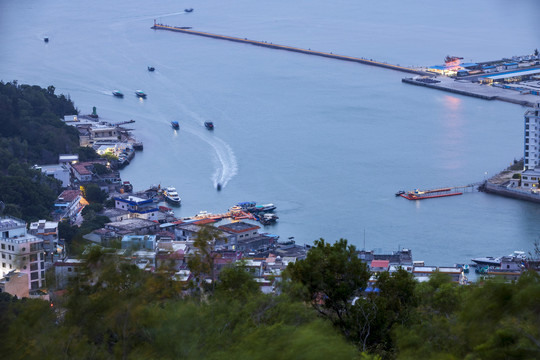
column 114, row 310
column 31, row 132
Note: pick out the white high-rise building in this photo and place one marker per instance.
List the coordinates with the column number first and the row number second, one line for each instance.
column 530, row 177
column 21, row 251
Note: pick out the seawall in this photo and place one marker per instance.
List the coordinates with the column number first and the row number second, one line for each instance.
column 291, row 48
column 512, row 193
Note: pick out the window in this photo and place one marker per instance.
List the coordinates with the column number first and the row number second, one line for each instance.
column 41, row 256
column 42, row 265
column 34, row 285
column 3, row 256
column 33, row 257
column 9, row 257
column 33, row 267
column 69, row 269
column 43, row 274
column 23, row 249
column 4, row 245
column 34, row 275
column 3, row 265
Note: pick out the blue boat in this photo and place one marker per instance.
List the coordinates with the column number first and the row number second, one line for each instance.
column 175, row 124
column 140, row 93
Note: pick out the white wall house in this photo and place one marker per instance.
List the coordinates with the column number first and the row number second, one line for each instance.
column 21, row 251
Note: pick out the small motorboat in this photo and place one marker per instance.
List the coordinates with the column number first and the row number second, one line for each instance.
column 46, row 39
column 175, row 124
column 118, row 93
column 218, row 187
column 209, row 125
column 188, row 10
column 151, row 68
column 140, row 94
column 400, row 192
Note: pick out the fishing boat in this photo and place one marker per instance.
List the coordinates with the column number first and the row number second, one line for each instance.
column 171, row 195
column 430, row 194
column 118, row 93
column 209, row 125
column 151, row 68
column 175, row 124
column 140, row 94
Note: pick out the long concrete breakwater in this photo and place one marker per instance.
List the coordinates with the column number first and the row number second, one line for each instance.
column 291, row 48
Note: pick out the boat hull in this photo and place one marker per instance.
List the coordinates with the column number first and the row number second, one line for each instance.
column 412, row 196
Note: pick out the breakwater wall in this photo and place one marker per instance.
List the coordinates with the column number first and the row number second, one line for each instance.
column 467, row 92
column 443, row 88
column 291, row 48
column 511, row 193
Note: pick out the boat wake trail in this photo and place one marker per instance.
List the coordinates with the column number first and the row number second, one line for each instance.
column 226, row 165
column 224, row 159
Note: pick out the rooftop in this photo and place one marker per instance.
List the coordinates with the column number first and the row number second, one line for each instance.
column 69, row 195
column 238, row 227
column 9, row 222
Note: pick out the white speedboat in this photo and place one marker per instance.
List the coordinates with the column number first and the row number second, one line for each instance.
column 171, row 195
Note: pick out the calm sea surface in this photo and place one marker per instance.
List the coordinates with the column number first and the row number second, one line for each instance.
column 328, row 142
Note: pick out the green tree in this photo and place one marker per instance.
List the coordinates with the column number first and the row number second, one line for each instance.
column 332, row 275
column 94, row 194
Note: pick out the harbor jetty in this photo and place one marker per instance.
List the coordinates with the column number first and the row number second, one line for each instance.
column 187, row 30
column 477, row 90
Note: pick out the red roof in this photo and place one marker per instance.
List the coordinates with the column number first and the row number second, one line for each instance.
column 69, row 195
column 380, row 263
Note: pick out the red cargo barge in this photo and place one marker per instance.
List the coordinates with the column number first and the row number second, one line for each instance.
column 430, row 194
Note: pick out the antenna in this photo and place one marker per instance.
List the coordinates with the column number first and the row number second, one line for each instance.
column 2, row 207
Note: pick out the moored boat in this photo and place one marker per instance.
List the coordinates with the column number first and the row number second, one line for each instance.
column 487, row 260
column 175, row 124
column 209, row 125
column 140, row 93
column 171, row 195
column 118, row 93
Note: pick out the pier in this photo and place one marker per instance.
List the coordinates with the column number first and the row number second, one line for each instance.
column 186, row 30
column 476, row 90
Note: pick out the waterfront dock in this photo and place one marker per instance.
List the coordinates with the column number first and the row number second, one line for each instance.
column 467, row 88
column 330, row 55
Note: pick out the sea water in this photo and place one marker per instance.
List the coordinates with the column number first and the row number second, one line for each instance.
column 328, row 142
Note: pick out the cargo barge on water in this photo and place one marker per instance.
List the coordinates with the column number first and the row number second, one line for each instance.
column 429, row 194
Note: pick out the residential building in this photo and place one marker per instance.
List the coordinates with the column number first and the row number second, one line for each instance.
column 133, row 226
column 246, row 237
column 64, row 270
column 139, row 242
column 48, row 231
column 137, row 207
column 530, row 177
column 69, row 205
column 21, row 251
column 58, row 171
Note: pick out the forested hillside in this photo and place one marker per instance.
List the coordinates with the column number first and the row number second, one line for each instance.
column 31, row 132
